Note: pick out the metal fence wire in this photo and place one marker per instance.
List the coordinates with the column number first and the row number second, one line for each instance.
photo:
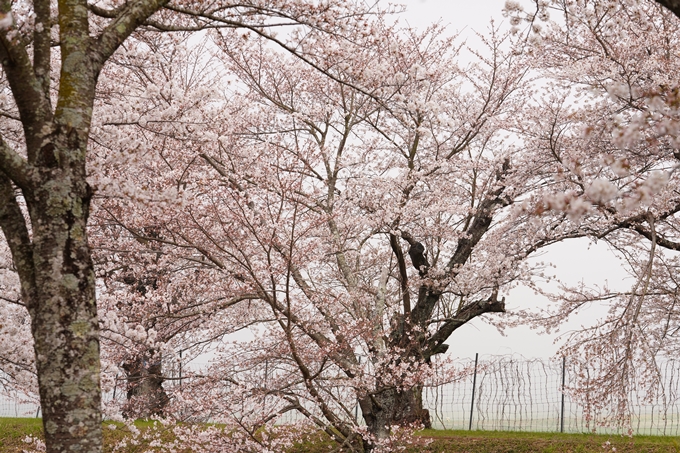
column 508, row 393
column 511, row 393
column 15, row 408
column 504, row 393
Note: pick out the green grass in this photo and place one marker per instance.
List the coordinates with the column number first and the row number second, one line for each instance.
column 14, row 430
column 523, row 442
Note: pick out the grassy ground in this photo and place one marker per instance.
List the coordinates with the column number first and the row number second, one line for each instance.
column 520, row 442
column 14, row 430
column 516, row 442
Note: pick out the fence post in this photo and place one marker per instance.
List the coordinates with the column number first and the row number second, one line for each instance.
column 115, row 387
column 356, row 408
column 474, row 384
column 564, row 362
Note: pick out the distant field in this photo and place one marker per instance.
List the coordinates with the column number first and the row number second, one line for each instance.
column 13, row 430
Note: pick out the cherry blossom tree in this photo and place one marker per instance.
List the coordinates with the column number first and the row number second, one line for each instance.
column 368, row 213
column 608, row 126
column 157, row 299
column 356, row 169
column 47, row 117
column 605, row 164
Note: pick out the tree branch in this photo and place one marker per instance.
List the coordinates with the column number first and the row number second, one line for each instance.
column 480, row 225
column 33, row 105
column 106, row 13
column 127, row 20
column 42, row 46
column 428, row 296
column 471, row 311
column 403, row 276
column 14, row 166
column 13, row 225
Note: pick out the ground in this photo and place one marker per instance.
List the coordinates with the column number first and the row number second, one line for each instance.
column 14, row 430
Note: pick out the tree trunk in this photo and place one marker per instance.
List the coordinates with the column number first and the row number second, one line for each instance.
column 56, row 271
column 393, row 407
column 51, row 253
column 64, row 311
column 146, row 396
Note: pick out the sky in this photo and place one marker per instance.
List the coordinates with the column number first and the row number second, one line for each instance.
column 462, row 16
column 575, row 261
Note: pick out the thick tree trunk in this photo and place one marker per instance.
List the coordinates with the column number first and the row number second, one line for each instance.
column 64, row 312
column 393, row 407
column 146, row 396
column 51, row 253
column 53, row 260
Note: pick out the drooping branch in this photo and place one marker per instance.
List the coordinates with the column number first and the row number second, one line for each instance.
column 637, row 224
column 656, row 238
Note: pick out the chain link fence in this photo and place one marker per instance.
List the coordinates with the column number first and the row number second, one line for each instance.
column 504, row 393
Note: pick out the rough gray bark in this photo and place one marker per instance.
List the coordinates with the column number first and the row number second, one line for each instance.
column 53, row 261
column 393, row 407
column 146, row 396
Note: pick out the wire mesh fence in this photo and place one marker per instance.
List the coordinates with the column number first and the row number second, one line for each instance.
column 18, row 407
column 504, row 393
column 516, row 394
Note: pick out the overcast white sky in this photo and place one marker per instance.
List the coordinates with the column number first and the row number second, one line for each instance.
column 459, row 15
column 575, row 261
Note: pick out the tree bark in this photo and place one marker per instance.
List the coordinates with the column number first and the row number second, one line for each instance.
column 393, row 407
column 64, row 312
column 51, row 251
column 146, row 396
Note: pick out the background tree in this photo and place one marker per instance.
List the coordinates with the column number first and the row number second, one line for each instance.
column 43, row 157
column 318, row 190
column 608, row 126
